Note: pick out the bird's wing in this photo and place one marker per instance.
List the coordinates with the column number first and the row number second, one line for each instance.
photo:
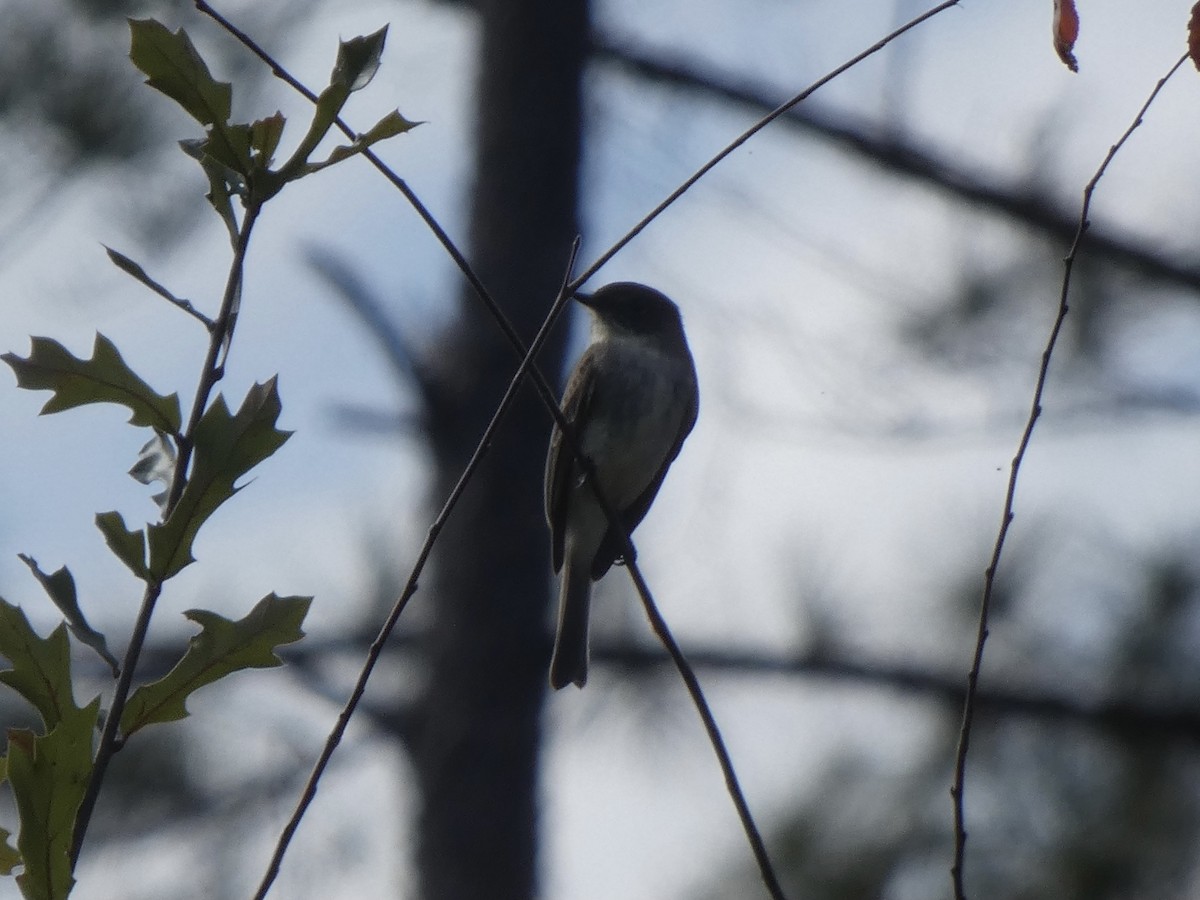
column 561, row 466
column 613, row 545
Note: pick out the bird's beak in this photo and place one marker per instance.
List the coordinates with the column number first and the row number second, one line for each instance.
column 584, row 298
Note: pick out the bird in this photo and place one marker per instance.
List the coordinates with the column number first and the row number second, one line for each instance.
column 631, row 401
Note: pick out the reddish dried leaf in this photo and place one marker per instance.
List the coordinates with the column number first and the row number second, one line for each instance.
column 1194, row 36
column 1066, row 30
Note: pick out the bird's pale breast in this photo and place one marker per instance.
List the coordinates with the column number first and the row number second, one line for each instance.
column 633, row 427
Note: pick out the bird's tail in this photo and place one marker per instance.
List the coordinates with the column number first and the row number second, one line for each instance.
column 570, row 661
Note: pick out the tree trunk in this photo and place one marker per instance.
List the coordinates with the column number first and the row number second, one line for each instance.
column 476, row 750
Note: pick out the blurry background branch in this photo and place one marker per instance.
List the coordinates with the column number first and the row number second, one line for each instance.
column 1122, row 717
column 902, row 155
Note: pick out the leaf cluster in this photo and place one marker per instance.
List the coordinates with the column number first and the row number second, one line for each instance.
column 237, row 157
column 55, row 772
column 49, row 772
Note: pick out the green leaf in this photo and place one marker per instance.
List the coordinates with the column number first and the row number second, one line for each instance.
column 49, row 776
column 223, row 184
column 265, row 135
column 128, row 546
column 357, row 63
column 230, row 146
column 389, row 126
column 225, row 448
column 60, row 585
column 10, row 857
column 172, row 65
column 329, row 105
column 105, row 378
column 358, row 60
column 41, row 667
column 265, row 182
column 222, row 646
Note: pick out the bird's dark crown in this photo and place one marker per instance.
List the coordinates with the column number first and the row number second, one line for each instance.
column 635, row 308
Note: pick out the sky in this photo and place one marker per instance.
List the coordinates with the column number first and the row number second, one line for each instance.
column 794, row 269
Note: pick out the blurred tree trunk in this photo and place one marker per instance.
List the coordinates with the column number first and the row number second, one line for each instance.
column 476, row 748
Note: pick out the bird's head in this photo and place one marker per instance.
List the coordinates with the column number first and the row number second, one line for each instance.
column 626, row 307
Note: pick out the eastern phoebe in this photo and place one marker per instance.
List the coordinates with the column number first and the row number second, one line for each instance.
column 632, row 399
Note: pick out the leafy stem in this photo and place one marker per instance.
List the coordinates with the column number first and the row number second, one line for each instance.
column 213, row 369
column 56, row 776
column 220, row 338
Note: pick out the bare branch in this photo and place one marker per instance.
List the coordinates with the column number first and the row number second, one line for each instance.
column 1006, row 518
column 1134, row 718
column 750, row 132
column 135, row 271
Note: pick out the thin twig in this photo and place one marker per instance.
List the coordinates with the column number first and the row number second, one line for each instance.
column 757, row 845
column 220, row 334
column 410, row 588
column 1035, row 411
column 134, row 270
column 899, row 155
column 750, row 132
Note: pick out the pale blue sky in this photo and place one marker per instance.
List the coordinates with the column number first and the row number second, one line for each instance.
column 776, row 260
